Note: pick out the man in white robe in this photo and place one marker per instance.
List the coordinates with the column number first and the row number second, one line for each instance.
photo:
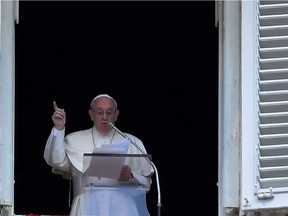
column 124, row 196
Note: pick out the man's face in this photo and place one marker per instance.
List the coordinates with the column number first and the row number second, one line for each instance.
column 102, row 112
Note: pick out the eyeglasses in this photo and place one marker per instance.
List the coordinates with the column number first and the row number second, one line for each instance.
column 101, row 112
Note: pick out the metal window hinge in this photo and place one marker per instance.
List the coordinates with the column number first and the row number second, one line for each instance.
column 268, row 194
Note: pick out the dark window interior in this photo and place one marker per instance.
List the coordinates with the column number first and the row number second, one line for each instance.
column 158, row 59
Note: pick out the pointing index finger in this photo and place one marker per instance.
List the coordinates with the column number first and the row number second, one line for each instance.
column 55, row 105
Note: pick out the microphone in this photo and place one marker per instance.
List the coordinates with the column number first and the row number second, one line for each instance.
column 148, row 160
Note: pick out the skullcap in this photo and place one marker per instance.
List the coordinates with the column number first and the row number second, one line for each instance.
column 103, row 95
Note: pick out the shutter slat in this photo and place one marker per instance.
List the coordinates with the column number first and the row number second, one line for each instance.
column 273, row 128
column 267, row 96
column 275, row 171
column 273, row 74
column 274, row 182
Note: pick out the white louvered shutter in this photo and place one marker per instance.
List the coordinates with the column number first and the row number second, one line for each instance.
column 270, row 174
column 273, row 95
column 270, row 144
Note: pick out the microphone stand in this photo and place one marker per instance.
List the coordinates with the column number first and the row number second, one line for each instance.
column 149, row 161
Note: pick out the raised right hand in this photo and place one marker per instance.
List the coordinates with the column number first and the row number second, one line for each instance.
column 58, row 117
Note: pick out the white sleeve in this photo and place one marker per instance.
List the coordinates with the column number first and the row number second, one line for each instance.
column 143, row 180
column 54, row 150
column 138, row 179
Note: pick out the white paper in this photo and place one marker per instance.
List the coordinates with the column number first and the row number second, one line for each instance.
column 120, row 148
column 107, row 166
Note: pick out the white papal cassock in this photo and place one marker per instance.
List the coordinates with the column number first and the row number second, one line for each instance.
column 105, row 197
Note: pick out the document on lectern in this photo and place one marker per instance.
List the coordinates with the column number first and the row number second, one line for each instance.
column 105, row 162
column 120, row 148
